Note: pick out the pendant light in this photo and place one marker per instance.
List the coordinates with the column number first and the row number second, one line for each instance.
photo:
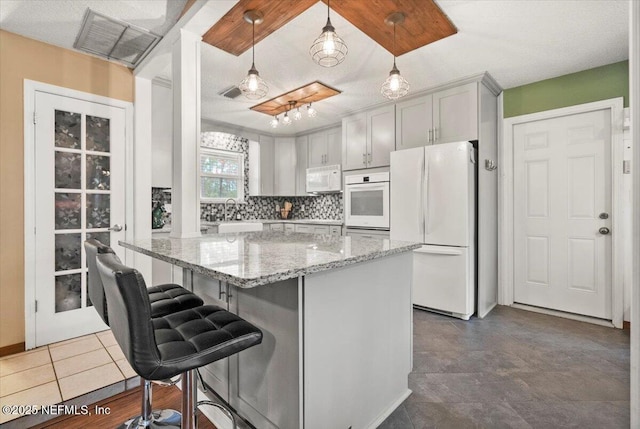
column 274, row 122
column 328, row 49
column 252, row 86
column 395, row 86
column 311, row 112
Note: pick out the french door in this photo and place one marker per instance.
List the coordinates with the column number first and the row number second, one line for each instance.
column 79, row 194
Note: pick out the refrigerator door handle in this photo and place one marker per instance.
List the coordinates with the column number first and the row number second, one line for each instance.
column 445, row 251
column 421, row 197
column 425, row 196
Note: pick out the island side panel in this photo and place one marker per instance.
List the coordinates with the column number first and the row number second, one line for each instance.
column 357, row 342
column 264, row 379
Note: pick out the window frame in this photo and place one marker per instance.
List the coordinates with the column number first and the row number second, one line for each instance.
column 209, row 151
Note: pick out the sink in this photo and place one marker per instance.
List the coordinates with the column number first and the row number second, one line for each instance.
column 239, row 227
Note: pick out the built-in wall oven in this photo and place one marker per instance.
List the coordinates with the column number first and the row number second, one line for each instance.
column 366, row 201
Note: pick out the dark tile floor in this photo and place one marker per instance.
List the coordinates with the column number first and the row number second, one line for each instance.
column 515, row 369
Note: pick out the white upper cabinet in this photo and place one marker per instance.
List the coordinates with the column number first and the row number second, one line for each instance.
column 381, row 138
column 354, row 142
column 285, row 166
column 445, row 116
column 455, row 114
column 413, row 122
column 267, row 158
column 324, row 148
column 368, row 138
column 302, row 144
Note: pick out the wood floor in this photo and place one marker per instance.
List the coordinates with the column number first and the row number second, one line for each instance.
column 123, row 407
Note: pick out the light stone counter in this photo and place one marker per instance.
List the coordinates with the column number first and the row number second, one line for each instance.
column 270, row 221
column 253, row 259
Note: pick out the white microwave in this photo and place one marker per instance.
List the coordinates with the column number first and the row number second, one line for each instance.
column 324, row 179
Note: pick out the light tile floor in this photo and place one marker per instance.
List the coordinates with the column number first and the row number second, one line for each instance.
column 58, row 372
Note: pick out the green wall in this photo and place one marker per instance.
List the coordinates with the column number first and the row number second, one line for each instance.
column 596, row 84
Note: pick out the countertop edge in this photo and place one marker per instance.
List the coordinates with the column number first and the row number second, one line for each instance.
column 272, row 278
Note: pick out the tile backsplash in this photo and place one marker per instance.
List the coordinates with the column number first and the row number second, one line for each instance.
column 326, row 206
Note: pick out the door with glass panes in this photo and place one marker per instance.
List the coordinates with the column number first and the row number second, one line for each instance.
column 79, row 183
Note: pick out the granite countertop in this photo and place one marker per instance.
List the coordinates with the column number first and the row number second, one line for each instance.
column 253, row 259
column 303, row 221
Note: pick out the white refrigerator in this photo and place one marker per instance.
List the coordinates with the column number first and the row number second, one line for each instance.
column 433, row 202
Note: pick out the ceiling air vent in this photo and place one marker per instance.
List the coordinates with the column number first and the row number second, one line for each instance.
column 231, row 92
column 114, row 39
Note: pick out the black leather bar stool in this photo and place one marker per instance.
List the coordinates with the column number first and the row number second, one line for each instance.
column 179, row 343
column 164, row 299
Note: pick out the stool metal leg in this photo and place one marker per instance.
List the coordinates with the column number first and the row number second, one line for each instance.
column 152, row 419
column 189, row 397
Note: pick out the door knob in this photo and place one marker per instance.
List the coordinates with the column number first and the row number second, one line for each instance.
column 604, row 216
column 604, row 230
column 115, row 228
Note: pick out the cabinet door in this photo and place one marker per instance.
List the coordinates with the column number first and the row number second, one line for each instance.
column 354, row 142
column 334, row 146
column 413, row 122
column 321, row 229
column 317, row 149
column 336, row 230
column 381, row 136
column 301, row 165
column 277, row 227
column 455, row 114
column 289, row 227
column 285, row 167
column 267, row 149
column 306, row 229
column 264, row 379
column 215, row 374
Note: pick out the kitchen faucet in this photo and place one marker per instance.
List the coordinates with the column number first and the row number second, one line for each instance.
column 235, row 204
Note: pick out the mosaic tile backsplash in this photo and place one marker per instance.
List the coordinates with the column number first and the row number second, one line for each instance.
column 327, row 206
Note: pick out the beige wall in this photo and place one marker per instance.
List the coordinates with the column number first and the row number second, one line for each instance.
column 22, row 58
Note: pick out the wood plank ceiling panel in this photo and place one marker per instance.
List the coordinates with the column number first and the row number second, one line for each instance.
column 424, row 22
column 309, row 93
column 233, row 34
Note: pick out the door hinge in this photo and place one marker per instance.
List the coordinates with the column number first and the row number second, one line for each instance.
column 34, row 118
column 626, row 166
column 36, row 306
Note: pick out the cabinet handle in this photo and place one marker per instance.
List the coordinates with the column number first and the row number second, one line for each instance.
column 435, row 134
column 364, row 158
column 369, row 157
column 429, row 135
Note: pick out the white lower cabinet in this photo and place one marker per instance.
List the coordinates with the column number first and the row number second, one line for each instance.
column 260, row 383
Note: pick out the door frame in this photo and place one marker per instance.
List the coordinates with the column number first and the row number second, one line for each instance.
column 30, row 89
column 506, row 222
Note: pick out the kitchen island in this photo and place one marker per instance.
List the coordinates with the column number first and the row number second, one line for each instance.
column 336, row 319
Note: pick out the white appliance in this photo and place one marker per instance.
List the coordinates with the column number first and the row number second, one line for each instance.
column 366, row 200
column 433, row 202
column 324, row 179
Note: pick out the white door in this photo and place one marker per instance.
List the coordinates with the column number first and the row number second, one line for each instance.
column 79, row 178
column 562, row 200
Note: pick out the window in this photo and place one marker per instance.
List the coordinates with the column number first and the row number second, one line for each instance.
column 221, row 175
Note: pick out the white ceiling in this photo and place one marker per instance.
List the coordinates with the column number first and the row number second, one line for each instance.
column 516, row 41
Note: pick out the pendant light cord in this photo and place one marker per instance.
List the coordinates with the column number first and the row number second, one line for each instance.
column 253, row 42
column 328, row 1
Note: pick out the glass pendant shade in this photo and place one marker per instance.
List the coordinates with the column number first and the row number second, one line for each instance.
column 286, row 120
column 395, row 86
column 252, row 86
column 274, row 122
column 311, row 112
column 328, row 49
column 297, row 115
